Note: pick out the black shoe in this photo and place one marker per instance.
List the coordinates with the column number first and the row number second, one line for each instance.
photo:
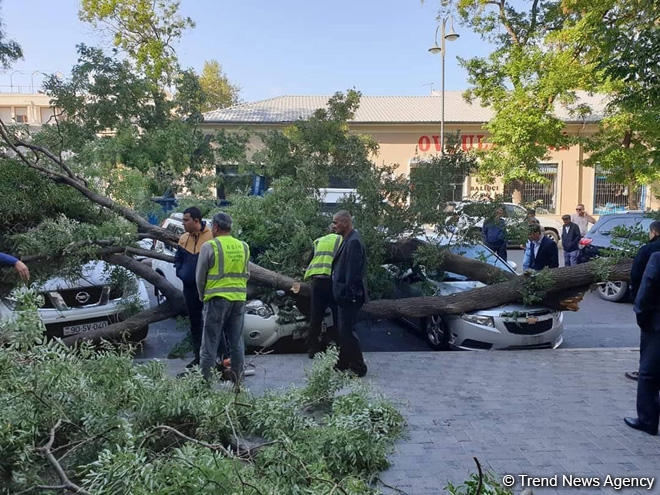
column 633, row 375
column 636, row 425
column 193, row 363
column 359, row 369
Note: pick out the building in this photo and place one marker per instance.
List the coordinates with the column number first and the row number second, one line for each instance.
column 407, row 129
column 25, row 108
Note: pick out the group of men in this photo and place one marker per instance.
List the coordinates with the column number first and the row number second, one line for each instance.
column 337, row 273
column 214, row 268
column 542, row 252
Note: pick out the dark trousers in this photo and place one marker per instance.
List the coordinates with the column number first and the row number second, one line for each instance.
column 321, row 300
column 648, row 384
column 350, row 354
column 500, row 249
column 195, row 308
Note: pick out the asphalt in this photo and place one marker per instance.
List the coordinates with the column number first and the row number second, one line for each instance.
column 548, row 417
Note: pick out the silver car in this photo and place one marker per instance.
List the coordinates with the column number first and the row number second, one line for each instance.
column 513, row 326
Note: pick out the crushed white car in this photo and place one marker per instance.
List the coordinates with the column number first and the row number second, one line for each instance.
column 265, row 323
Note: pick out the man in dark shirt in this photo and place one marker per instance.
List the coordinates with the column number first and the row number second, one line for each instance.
column 638, row 266
column 570, row 241
column 350, row 291
column 647, row 312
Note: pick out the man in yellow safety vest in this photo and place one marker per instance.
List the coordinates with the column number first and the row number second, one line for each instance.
column 318, row 271
column 222, row 275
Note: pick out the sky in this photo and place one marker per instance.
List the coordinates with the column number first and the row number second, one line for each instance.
column 268, row 48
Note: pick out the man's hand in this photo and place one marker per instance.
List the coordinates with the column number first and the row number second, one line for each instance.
column 23, row 270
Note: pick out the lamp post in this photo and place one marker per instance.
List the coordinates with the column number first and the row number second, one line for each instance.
column 11, row 80
column 451, row 36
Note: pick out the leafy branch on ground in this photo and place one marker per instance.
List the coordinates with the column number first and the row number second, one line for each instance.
column 116, row 427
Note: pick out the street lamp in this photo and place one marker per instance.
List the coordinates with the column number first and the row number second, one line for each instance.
column 451, row 36
column 11, row 80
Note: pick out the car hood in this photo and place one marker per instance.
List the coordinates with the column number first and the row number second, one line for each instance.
column 93, row 273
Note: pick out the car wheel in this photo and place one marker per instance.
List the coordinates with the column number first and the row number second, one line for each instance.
column 436, row 332
column 552, row 235
column 613, row 291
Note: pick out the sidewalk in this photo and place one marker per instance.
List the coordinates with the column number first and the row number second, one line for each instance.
column 535, row 413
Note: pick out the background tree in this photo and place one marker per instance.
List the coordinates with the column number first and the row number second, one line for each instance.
column 218, row 91
column 10, row 50
column 146, row 30
column 621, row 38
column 544, row 53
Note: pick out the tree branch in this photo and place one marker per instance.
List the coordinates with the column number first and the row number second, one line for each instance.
column 67, row 484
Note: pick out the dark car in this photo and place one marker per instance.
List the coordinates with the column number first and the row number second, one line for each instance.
column 614, row 232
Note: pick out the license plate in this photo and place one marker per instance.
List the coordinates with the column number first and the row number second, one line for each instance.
column 83, row 327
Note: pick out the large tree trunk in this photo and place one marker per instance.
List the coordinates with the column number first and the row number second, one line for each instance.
column 565, row 281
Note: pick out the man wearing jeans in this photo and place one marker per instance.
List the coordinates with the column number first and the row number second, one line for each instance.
column 222, row 274
column 185, row 262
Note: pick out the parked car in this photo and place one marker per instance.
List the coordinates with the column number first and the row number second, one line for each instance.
column 512, row 326
column 614, row 232
column 471, row 218
column 94, row 300
column 265, row 323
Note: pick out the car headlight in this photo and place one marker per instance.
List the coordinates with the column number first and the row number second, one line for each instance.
column 258, row 308
column 486, row 321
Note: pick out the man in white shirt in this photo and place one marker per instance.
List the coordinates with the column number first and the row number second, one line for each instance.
column 582, row 219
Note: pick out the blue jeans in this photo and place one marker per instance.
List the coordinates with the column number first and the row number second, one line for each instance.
column 223, row 318
column 571, row 257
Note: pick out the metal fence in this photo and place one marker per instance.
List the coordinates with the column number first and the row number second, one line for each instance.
column 612, row 197
column 542, row 194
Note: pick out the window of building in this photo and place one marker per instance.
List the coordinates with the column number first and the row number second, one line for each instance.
column 5, row 114
column 47, row 114
column 542, row 194
column 611, row 197
column 20, row 115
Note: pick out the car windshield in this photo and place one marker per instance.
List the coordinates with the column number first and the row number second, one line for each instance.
column 477, row 252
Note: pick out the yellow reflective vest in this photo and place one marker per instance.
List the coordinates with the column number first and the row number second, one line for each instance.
column 325, row 249
column 228, row 276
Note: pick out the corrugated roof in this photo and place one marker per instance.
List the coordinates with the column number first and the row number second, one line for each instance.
column 382, row 109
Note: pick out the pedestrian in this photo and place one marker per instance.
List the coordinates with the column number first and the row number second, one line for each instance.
column 570, row 241
column 20, row 267
column 494, row 233
column 638, row 266
column 541, row 251
column 318, row 271
column 185, row 262
column 350, row 291
column 647, row 312
column 530, row 218
column 582, row 219
column 222, row 275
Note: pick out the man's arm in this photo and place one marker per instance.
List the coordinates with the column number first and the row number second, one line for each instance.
column 20, row 267
column 646, row 301
column 355, row 260
column 204, row 262
column 554, row 253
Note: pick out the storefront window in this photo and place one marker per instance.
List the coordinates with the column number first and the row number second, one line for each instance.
column 543, row 195
column 611, row 197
